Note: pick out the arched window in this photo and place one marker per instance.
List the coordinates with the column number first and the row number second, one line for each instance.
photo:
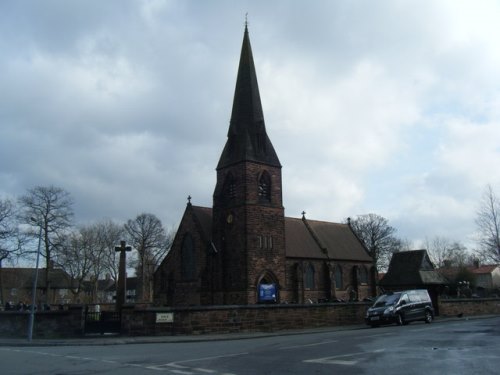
column 339, row 282
column 230, row 187
column 363, row 275
column 265, row 187
column 188, row 269
column 309, row 279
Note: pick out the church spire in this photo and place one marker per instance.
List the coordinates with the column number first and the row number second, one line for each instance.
column 247, row 137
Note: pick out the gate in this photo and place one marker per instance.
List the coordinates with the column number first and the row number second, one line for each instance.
column 102, row 322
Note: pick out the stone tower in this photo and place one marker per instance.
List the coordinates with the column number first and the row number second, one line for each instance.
column 248, row 215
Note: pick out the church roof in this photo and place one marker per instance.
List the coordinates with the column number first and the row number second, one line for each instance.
column 322, row 239
column 247, row 137
column 203, row 216
column 412, row 268
column 306, row 238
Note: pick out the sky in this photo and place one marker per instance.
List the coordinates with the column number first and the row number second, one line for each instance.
column 385, row 107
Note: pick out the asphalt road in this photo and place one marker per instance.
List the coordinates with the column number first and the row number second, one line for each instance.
column 454, row 347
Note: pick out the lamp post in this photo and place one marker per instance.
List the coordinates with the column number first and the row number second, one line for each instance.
column 35, row 281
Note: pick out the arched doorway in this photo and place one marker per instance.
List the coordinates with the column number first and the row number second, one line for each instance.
column 267, row 288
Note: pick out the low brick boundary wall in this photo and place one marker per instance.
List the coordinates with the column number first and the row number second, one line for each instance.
column 248, row 318
column 48, row 324
column 469, row 307
column 142, row 321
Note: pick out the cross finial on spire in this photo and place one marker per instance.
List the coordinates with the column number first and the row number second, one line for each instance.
column 303, row 214
column 189, row 199
column 246, row 20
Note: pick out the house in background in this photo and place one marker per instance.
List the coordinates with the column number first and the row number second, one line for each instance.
column 485, row 279
column 414, row 270
column 108, row 295
column 16, row 285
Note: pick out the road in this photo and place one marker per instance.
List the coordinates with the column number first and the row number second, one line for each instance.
column 453, row 347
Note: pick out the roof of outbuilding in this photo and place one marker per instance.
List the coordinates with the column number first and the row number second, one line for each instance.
column 411, row 268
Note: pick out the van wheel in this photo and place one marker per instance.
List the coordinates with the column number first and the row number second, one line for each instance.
column 428, row 317
column 400, row 320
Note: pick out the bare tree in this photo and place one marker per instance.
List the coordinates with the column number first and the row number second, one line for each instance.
column 11, row 239
column 50, row 209
column 109, row 235
column 488, row 225
column 76, row 258
column 147, row 235
column 8, row 231
column 89, row 255
column 446, row 253
column 378, row 237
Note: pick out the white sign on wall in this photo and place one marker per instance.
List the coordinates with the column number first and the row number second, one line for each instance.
column 165, row 317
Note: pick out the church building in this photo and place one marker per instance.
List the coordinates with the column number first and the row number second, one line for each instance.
column 244, row 250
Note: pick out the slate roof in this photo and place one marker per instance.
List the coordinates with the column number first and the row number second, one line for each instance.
column 412, row 268
column 451, row 272
column 306, row 238
column 203, row 216
column 23, row 278
column 486, row 269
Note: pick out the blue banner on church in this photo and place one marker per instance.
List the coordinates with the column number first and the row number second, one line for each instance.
column 267, row 293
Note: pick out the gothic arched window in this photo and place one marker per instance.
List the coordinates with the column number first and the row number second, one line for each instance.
column 230, row 187
column 265, row 187
column 339, row 282
column 188, row 269
column 309, row 279
column 363, row 275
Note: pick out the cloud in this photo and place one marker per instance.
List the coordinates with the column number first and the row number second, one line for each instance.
column 389, row 107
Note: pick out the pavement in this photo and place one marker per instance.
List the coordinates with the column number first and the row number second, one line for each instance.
column 96, row 340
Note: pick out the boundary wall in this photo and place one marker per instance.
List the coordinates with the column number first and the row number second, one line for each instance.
column 164, row 321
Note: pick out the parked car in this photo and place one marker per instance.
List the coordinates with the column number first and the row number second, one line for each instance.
column 401, row 308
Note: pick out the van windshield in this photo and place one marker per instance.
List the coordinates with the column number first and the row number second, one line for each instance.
column 386, row 300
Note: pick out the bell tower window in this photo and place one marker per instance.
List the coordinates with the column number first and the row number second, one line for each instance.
column 230, row 187
column 265, row 187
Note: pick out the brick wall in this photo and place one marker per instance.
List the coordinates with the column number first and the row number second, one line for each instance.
column 219, row 319
column 271, row 318
column 248, row 318
column 469, row 307
column 48, row 324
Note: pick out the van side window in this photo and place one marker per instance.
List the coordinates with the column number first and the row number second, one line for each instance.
column 414, row 297
column 404, row 299
column 424, row 296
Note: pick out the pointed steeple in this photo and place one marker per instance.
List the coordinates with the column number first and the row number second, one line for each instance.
column 247, row 137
